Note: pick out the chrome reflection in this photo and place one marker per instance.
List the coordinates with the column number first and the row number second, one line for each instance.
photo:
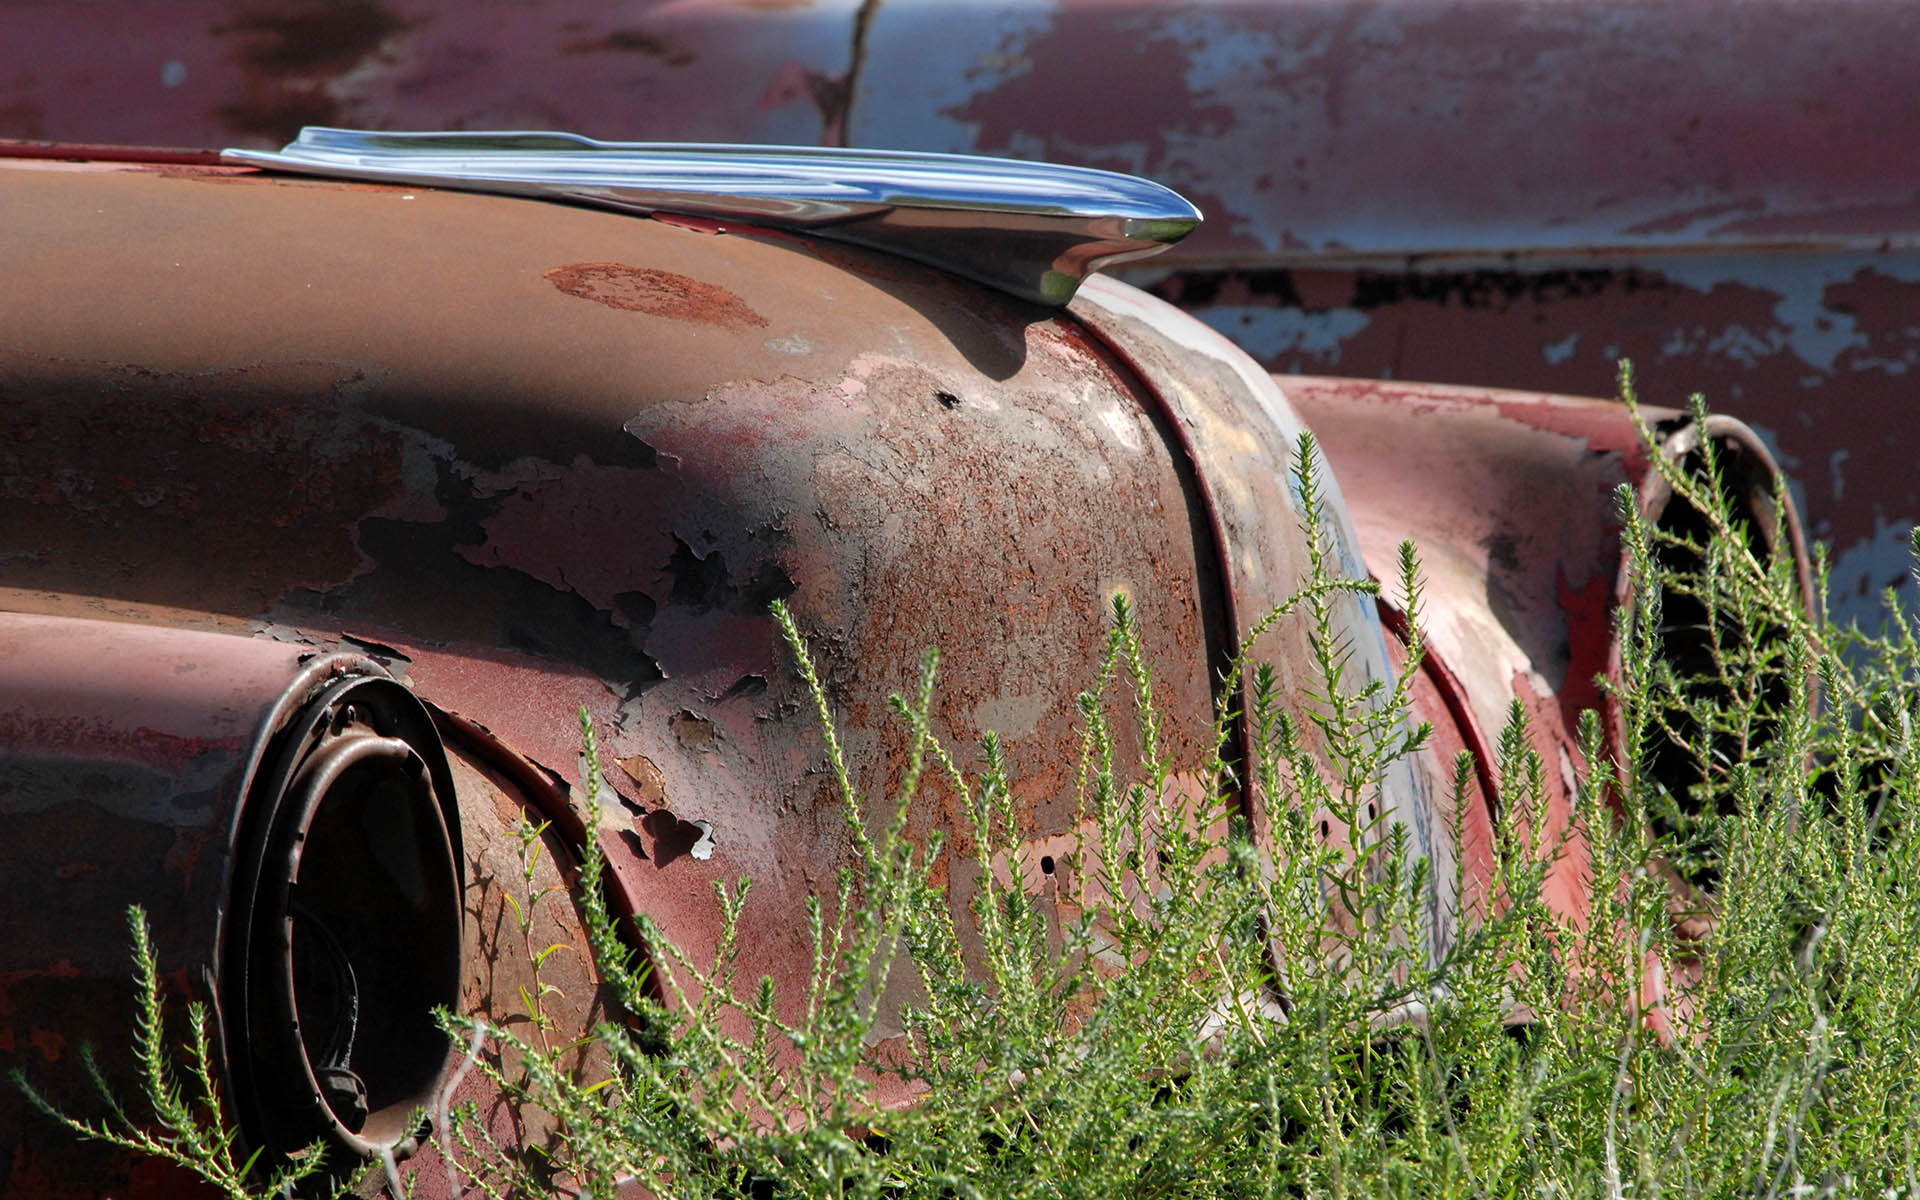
column 1033, row 229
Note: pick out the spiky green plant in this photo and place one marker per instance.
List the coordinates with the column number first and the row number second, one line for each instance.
column 189, row 1128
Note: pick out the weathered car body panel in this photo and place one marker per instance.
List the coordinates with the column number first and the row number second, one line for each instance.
column 1511, row 499
column 1503, row 194
column 528, row 458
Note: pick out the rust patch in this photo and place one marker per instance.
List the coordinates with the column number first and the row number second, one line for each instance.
column 656, row 293
column 646, row 777
column 313, row 38
column 48, row 1043
column 62, row 969
column 693, row 731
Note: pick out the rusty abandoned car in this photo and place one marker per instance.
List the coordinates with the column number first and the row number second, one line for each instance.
column 333, row 481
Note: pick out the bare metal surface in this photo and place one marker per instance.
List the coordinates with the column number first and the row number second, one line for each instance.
column 1032, row 229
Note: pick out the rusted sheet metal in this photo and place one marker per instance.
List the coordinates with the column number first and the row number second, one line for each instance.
column 1813, row 350
column 231, row 72
column 575, row 469
column 125, row 753
column 122, row 755
column 1509, row 499
column 498, row 980
column 1336, row 128
column 1242, row 438
column 1464, row 854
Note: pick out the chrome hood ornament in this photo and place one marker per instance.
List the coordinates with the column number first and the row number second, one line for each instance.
column 1033, row 229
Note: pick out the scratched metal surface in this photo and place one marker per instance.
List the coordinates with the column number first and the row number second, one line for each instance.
column 1499, row 194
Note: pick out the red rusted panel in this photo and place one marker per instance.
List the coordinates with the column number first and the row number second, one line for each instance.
column 1813, row 350
column 125, row 757
column 1329, row 127
column 1509, row 498
column 498, row 978
column 1336, row 128
column 234, row 72
column 1242, row 438
column 122, row 755
column 575, row 469
column 1464, row 861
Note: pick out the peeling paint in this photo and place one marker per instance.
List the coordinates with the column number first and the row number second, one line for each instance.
column 1702, row 187
column 1269, row 333
column 1860, row 573
column 923, row 66
column 1806, row 347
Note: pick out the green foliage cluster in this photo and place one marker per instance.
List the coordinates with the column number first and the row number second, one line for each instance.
column 1226, row 1019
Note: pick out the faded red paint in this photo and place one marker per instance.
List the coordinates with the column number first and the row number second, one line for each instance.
column 1510, row 498
column 524, row 509
column 1813, row 352
column 1503, row 195
column 1467, row 867
column 657, row 293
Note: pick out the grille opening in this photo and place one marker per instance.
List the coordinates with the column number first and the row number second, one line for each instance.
column 1692, row 825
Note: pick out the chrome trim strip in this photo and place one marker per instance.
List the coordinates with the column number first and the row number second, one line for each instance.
column 1033, row 229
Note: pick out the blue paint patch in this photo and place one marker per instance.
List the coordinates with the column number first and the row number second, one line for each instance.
column 1860, row 576
column 927, row 62
column 1267, row 333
